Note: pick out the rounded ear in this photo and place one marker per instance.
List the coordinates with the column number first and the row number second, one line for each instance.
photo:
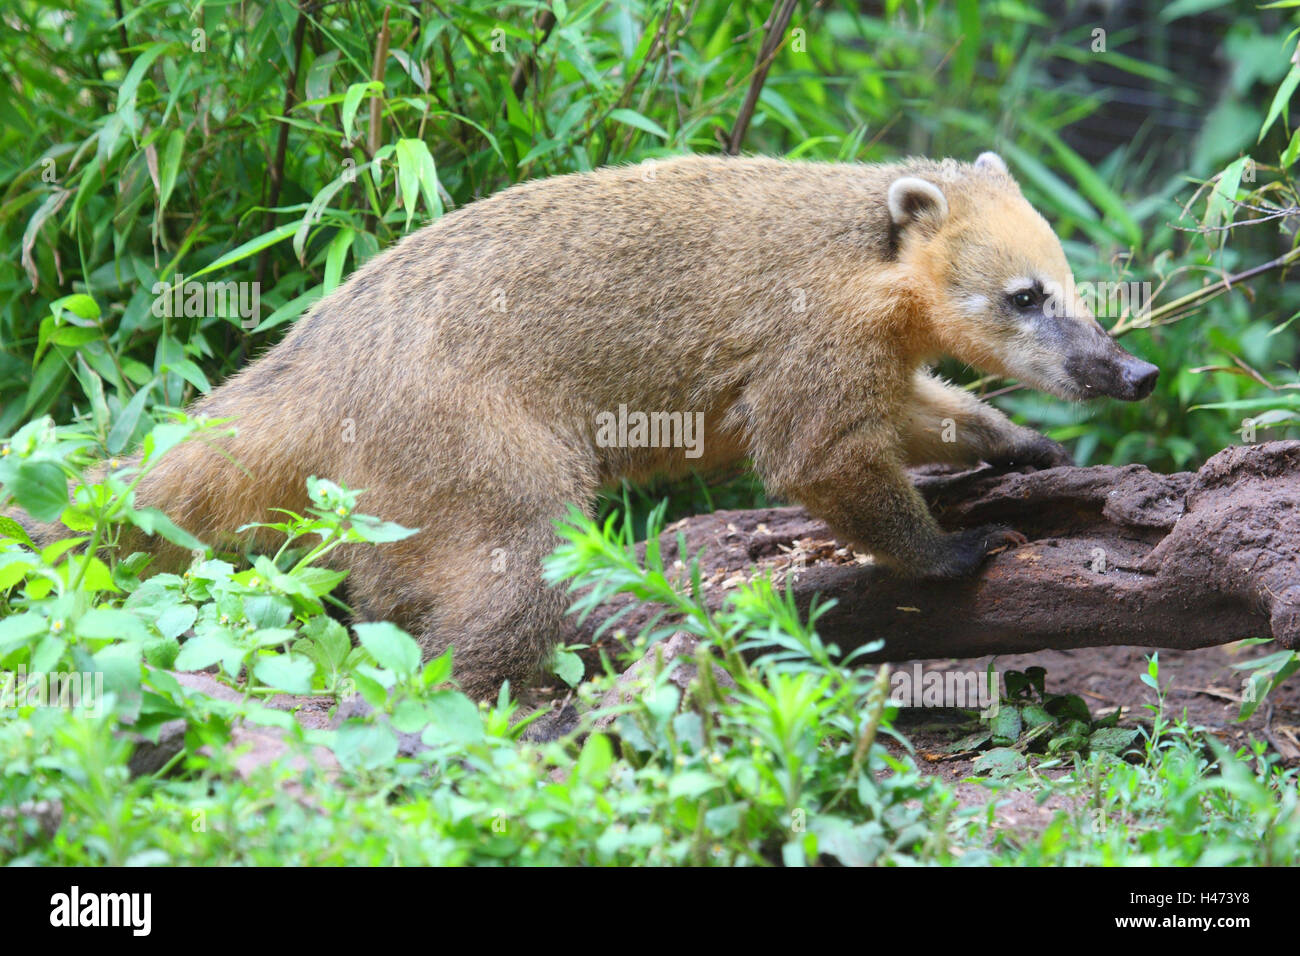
column 993, row 163
column 912, row 199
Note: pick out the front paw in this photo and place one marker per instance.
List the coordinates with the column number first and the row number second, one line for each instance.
column 965, row 551
column 1039, row 451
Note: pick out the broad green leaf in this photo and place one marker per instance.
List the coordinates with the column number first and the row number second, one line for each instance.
column 40, row 488
column 103, row 623
column 453, row 719
column 361, row 746
column 21, row 628
column 286, row 672
column 390, row 646
column 10, row 528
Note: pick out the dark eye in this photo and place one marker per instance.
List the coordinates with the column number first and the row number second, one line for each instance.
column 1024, row 299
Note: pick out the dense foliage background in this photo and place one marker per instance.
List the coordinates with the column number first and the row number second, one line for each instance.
column 272, row 143
column 284, row 143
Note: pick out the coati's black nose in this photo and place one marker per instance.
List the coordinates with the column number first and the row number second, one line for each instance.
column 1140, row 377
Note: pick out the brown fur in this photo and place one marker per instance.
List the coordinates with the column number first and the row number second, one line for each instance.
column 471, row 359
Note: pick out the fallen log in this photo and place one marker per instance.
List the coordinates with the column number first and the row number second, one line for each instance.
column 1116, row 556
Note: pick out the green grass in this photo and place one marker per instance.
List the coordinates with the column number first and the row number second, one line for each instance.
column 775, row 754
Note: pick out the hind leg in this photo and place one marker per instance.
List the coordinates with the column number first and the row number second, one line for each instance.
column 478, row 589
column 500, row 617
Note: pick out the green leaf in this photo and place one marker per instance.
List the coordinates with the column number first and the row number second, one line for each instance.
column 21, row 628
column 126, row 423
column 1219, row 208
column 453, row 719
column 1005, row 725
column 1188, row 8
column 320, row 581
column 569, row 668
column 176, row 620
column 352, row 99
column 390, row 646
column 969, row 742
column 40, row 488
column 126, row 93
column 633, row 118
column 287, row 672
column 121, row 667
column 153, row 521
column 267, row 610
column 82, row 306
column 316, row 209
column 1292, row 150
column 103, row 623
column 169, row 167
column 692, row 784
column 1280, row 99
column 408, row 175
column 1092, row 185
column 361, row 746
column 188, row 371
column 46, row 383
column 1112, row 740
column 1035, row 716
column 10, row 528
column 335, row 256
column 163, row 438
column 73, row 336
column 380, row 532
column 963, row 59
column 255, row 245
column 595, row 761
column 999, row 762
column 204, row 651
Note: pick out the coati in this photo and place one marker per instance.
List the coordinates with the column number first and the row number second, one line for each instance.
column 463, row 376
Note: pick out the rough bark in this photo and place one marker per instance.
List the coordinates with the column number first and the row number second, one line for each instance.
column 1117, row 555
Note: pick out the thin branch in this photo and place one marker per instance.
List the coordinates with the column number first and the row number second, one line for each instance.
column 276, row 171
column 375, row 138
column 543, row 20
column 127, row 57
column 772, row 44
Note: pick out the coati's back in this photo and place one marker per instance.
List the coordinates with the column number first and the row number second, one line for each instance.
column 656, row 286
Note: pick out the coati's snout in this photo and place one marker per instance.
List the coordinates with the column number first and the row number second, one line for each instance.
column 1116, row 374
column 1078, row 359
column 1091, row 361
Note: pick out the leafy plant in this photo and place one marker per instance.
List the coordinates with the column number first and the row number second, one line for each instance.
column 1027, row 719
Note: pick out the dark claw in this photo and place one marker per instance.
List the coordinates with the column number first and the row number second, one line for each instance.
column 1042, row 452
column 969, row 549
